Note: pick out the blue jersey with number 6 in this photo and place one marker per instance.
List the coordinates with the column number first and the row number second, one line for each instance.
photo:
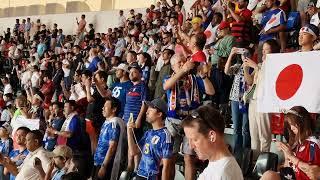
column 119, row 91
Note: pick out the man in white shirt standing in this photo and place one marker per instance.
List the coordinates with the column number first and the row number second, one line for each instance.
column 7, row 88
column 37, row 156
column 205, row 130
column 121, row 20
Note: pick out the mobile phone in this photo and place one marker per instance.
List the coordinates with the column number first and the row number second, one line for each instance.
column 241, row 50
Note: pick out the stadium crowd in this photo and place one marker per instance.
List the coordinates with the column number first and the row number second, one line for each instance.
column 155, row 92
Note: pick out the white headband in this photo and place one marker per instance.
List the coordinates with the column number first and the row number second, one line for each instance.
column 307, row 30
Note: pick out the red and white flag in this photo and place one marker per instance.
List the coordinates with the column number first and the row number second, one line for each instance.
column 274, row 21
column 290, row 79
column 210, row 33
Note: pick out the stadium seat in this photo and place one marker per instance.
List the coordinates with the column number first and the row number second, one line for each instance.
column 266, row 161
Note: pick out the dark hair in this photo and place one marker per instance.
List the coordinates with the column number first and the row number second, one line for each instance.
column 59, row 104
column 103, row 74
column 72, row 103
column 207, row 118
column 87, row 73
column 218, row 14
column 83, row 15
column 115, row 103
column 200, row 40
column 303, row 122
column 170, row 52
column 72, row 176
column 37, row 135
column 148, row 59
column 133, row 53
column 25, row 129
column 47, row 74
column 275, row 47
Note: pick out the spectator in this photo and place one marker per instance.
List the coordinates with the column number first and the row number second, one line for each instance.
column 205, row 130
column 144, row 60
column 41, row 48
column 307, row 36
column 271, row 33
column 60, row 42
column 164, row 72
column 28, row 169
column 121, row 19
column 156, row 144
column 137, row 94
column 222, row 48
column 81, row 26
column 131, row 58
column 8, row 110
column 6, row 144
column 93, row 60
column 239, row 108
column 301, row 146
column 58, row 76
column 167, row 44
column 120, row 89
column 47, row 89
column 206, row 15
column 259, row 123
column 91, row 32
column 18, row 155
column 55, row 122
column 107, row 158
column 313, row 13
column 7, row 86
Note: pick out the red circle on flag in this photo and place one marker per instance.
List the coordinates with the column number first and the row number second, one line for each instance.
column 272, row 20
column 289, row 81
column 208, row 34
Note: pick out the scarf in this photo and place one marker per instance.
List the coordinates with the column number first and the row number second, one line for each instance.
column 190, row 80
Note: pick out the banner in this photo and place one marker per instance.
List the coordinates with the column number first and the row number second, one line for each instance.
column 290, row 79
column 20, row 121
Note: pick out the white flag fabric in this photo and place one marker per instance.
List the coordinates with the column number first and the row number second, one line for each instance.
column 20, row 121
column 274, row 21
column 210, row 33
column 290, row 79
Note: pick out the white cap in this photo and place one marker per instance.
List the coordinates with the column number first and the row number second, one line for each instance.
column 123, row 66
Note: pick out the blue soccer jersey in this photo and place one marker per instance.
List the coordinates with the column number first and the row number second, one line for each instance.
column 119, row 91
column 22, row 155
column 136, row 95
column 155, row 145
column 110, row 131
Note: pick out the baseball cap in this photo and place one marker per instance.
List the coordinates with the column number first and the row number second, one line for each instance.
column 62, row 151
column 159, row 104
column 7, row 127
column 136, row 66
column 310, row 29
column 123, row 66
column 223, row 25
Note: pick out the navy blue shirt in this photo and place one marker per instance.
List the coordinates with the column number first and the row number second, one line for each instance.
column 265, row 19
column 110, row 131
column 119, row 91
column 75, row 128
column 50, row 142
column 155, row 145
column 136, row 95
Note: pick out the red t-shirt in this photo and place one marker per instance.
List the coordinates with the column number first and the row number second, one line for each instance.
column 308, row 152
column 180, row 19
column 47, row 90
column 241, row 30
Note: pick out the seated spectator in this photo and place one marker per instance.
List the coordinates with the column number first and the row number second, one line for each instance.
column 156, row 144
column 6, row 145
column 37, row 154
column 205, row 130
column 61, row 158
column 307, row 36
column 110, row 149
column 18, row 154
column 302, row 146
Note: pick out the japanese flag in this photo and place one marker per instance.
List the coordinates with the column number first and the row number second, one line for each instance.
column 290, row 79
column 210, row 33
column 274, row 21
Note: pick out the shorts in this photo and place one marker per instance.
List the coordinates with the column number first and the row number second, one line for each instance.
column 175, row 129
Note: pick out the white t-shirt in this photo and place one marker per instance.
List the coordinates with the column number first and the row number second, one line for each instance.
column 315, row 20
column 226, row 168
column 35, row 78
column 7, row 89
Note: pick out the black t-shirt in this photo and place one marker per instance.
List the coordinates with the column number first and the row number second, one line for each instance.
column 94, row 109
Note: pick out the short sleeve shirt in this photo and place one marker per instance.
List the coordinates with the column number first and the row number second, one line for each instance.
column 6, row 146
column 155, row 145
column 265, row 19
column 110, row 131
column 119, row 91
column 134, row 99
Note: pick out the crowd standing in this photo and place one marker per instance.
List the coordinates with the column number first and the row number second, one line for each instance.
column 159, row 86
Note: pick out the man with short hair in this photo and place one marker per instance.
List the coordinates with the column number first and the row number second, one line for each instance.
column 37, row 155
column 81, row 26
column 135, row 98
column 167, row 44
column 205, row 130
column 120, row 89
column 121, row 19
column 107, row 158
column 307, row 36
column 156, row 144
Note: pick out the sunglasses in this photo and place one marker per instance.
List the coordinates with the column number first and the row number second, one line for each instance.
column 196, row 115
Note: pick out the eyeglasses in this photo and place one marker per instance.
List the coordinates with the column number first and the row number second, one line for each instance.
column 195, row 115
